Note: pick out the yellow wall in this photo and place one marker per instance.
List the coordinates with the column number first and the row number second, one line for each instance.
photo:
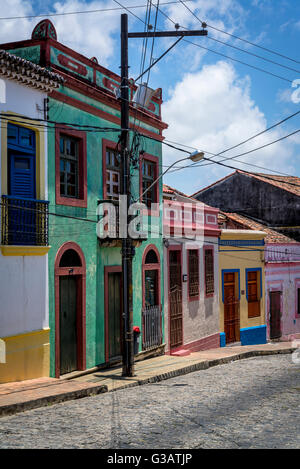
column 27, row 356
column 242, row 258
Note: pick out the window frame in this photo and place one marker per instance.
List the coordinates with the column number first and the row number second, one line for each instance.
column 152, row 159
column 258, row 270
column 205, row 249
column 193, row 297
column 157, row 267
column 297, row 287
column 113, row 146
column 81, row 199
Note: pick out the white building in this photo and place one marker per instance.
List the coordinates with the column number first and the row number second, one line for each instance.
column 191, row 274
column 24, row 320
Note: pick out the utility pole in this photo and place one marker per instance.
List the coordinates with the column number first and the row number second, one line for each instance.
column 127, row 247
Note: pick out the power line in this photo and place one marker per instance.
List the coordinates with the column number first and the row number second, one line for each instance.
column 239, row 38
column 88, row 128
column 217, row 162
column 238, row 248
column 227, row 56
column 232, row 46
column 99, row 10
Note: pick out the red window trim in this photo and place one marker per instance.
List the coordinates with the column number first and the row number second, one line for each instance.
column 192, row 298
column 154, row 159
column 108, row 270
column 151, row 267
column 174, row 247
column 208, row 248
column 80, row 273
column 107, row 144
column 81, row 201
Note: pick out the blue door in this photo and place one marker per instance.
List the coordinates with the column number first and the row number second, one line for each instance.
column 21, row 185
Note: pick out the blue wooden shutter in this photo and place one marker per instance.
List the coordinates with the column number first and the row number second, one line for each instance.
column 22, row 175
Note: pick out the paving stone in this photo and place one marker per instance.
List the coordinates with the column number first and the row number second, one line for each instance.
column 252, row 403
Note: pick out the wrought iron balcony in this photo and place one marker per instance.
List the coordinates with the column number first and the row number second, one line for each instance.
column 152, row 327
column 24, row 221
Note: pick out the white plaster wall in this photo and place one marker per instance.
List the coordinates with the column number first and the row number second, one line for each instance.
column 23, row 294
column 200, row 317
column 23, row 279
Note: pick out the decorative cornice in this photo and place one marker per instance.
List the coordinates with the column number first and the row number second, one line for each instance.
column 28, row 73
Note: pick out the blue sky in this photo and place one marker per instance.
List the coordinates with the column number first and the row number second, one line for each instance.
column 210, row 102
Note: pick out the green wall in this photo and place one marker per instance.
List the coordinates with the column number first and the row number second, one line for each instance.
column 84, row 233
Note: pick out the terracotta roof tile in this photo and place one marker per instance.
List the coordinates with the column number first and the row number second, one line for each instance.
column 287, row 183
column 272, row 235
column 28, row 73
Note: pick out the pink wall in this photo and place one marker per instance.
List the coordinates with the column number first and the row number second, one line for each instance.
column 282, row 273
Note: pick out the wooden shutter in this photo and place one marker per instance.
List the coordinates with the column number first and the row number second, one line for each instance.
column 253, row 294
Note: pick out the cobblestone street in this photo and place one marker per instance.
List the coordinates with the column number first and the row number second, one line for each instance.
column 252, row 403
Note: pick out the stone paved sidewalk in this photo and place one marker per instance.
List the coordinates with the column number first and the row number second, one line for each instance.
column 24, row 395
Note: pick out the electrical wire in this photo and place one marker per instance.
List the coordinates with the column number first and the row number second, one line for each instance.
column 230, row 45
column 227, row 56
column 239, row 38
column 87, row 128
column 99, row 10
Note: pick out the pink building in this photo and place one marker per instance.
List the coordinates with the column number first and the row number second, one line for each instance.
column 191, row 272
column 282, row 277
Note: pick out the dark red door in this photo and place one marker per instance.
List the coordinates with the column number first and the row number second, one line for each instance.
column 275, row 315
column 114, row 316
column 175, row 299
column 231, row 310
column 68, row 323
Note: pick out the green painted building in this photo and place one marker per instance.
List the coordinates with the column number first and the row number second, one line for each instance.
column 85, row 288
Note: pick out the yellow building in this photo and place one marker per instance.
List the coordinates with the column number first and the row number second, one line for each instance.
column 24, row 310
column 241, row 266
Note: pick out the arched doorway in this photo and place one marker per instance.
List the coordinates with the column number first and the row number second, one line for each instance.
column 151, row 320
column 70, row 275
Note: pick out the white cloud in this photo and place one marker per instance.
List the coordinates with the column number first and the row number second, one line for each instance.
column 16, row 30
column 90, row 34
column 213, row 110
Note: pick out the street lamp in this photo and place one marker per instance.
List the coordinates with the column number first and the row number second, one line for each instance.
column 195, row 156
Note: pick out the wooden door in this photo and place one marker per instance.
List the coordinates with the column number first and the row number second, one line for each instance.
column 68, row 323
column 231, row 310
column 114, row 316
column 275, row 315
column 175, row 299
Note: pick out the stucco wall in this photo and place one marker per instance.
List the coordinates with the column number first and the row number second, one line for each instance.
column 24, row 279
column 240, row 258
column 84, row 233
column 200, row 317
column 286, row 279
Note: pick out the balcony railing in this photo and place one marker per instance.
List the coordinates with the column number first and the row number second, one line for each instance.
column 152, row 328
column 24, row 221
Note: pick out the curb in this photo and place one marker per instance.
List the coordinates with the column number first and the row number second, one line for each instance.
column 204, row 366
column 49, row 400
column 94, row 390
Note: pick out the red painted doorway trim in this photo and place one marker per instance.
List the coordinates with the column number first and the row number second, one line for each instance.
column 80, row 273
